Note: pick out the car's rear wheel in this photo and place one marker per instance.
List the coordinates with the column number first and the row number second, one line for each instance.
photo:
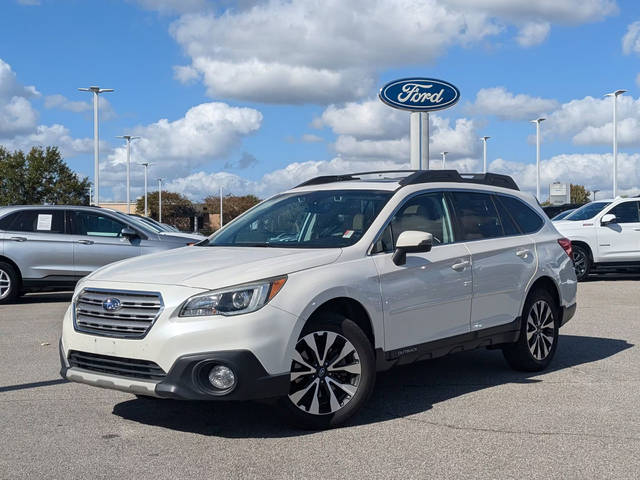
column 332, row 373
column 581, row 262
column 9, row 283
column 538, row 339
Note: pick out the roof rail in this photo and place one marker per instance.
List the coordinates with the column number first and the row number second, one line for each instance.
column 414, row 177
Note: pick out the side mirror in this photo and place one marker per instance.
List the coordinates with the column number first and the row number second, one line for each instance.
column 411, row 241
column 607, row 219
column 128, row 232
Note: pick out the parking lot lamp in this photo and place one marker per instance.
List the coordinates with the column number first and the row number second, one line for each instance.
column 128, row 138
column 146, row 166
column 444, row 159
column 537, row 121
column 96, row 164
column 160, row 199
column 615, row 139
column 484, row 153
column 594, row 194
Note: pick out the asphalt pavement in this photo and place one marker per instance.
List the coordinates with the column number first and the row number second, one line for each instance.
column 463, row 416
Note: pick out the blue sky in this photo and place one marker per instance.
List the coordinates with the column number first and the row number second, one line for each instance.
column 257, row 96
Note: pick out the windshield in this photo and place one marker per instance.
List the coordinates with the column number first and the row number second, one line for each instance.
column 136, row 221
column 319, row 219
column 564, row 214
column 587, row 211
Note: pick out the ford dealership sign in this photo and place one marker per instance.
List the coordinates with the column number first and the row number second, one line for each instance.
column 419, row 94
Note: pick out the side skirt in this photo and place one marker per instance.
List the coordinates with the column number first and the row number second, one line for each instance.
column 489, row 337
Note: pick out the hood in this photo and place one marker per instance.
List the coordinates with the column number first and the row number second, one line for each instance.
column 179, row 236
column 214, row 267
column 570, row 224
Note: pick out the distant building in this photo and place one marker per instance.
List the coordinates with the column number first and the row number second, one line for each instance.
column 559, row 193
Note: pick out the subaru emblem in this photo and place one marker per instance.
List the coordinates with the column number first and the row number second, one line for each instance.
column 111, row 304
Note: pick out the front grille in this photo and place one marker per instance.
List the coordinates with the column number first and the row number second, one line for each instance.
column 133, row 318
column 124, row 367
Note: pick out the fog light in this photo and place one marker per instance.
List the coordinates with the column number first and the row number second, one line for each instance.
column 222, row 377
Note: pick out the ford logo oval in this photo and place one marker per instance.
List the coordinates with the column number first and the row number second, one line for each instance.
column 111, row 304
column 419, row 94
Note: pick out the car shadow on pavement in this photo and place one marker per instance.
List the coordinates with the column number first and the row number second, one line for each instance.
column 399, row 392
column 44, row 297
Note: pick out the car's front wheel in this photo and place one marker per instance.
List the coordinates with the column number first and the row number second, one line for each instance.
column 332, row 373
column 9, row 283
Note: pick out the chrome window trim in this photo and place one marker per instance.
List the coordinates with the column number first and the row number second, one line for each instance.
column 444, row 190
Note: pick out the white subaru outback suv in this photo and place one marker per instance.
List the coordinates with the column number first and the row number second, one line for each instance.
column 305, row 296
column 605, row 235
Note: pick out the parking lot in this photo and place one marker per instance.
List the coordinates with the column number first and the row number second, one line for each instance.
column 462, row 416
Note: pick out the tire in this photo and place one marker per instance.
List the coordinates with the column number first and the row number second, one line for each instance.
column 540, row 325
column 581, row 262
column 332, row 373
column 9, row 283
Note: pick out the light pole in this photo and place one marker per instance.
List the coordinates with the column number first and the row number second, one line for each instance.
column 615, row 139
column 160, row 199
column 146, row 167
column 96, row 164
column 128, row 138
column 221, row 206
column 444, row 159
column 484, row 153
column 594, row 194
column 537, row 121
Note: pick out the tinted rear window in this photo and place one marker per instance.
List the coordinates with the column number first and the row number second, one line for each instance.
column 37, row 221
column 528, row 220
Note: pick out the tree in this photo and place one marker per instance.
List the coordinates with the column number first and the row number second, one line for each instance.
column 176, row 208
column 232, row 205
column 579, row 194
column 40, row 177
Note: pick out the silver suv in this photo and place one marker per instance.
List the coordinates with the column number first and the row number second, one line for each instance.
column 52, row 247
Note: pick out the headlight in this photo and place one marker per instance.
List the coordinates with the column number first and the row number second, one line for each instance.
column 233, row 300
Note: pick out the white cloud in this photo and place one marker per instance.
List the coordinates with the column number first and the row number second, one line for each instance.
column 564, row 11
column 311, row 138
column 588, row 121
column 533, row 33
column 313, row 51
column 366, row 119
column 17, row 116
column 207, row 132
column 631, row 40
column 54, row 135
column 500, row 102
column 62, row 102
column 173, row 6
column 323, row 52
column 592, row 170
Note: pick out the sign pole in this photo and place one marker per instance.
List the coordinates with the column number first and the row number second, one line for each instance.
column 415, row 140
column 424, row 164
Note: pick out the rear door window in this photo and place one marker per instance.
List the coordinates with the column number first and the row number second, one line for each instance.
column 37, row 221
column 528, row 220
column 477, row 215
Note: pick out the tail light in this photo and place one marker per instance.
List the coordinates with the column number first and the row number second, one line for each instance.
column 565, row 243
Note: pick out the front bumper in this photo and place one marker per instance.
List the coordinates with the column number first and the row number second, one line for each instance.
column 187, row 378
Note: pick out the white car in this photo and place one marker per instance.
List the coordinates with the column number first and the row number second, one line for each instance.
column 305, row 296
column 605, row 235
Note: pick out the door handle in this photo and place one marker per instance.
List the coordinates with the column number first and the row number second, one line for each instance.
column 522, row 253
column 86, row 242
column 18, row 239
column 460, row 265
